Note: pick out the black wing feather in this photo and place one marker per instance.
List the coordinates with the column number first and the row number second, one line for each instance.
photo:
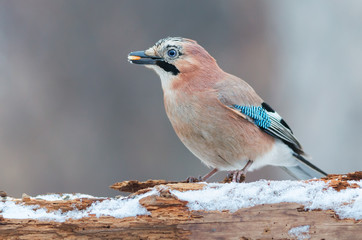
column 272, row 123
column 281, row 130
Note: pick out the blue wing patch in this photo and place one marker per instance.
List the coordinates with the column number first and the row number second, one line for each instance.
column 258, row 114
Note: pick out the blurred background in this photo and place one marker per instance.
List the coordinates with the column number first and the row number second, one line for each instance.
column 75, row 116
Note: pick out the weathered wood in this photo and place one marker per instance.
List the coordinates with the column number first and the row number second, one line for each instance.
column 340, row 181
column 133, row 186
column 337, row 181
column 170, row 218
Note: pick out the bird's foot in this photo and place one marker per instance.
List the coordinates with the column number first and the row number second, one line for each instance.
column 194, row 179
column 228, row 178
column 238, row 176
column 202, row 179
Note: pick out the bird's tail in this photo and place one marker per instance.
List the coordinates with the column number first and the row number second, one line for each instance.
column 304, row 169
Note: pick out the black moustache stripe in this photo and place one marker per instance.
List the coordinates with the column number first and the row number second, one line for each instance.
column 168, row 67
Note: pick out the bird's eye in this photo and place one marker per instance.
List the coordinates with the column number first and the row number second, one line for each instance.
column 172, row 53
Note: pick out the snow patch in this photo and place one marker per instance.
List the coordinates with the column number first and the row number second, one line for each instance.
column 119, row 208
column 313, row 195
column 9, row 209
column 301, row 232
column 63, row 196
column 231, row 196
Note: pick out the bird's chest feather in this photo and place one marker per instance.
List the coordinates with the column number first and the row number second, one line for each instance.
column 212, row 132
column 193, row 116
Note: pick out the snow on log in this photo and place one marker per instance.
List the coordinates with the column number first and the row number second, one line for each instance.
column 329, row 208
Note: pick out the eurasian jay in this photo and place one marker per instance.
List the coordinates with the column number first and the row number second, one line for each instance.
column 218, row 116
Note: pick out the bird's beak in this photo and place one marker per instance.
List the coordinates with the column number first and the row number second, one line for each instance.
column 140, row 57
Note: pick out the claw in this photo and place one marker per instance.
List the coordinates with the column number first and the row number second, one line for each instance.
column 235, row 176
column 239, row 175
column 202, row 179
column 194, row 179
column 228, row 178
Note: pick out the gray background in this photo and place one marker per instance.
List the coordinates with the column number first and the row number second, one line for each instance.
column 76, row 117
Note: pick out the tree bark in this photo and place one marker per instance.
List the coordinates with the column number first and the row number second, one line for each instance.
column 170, row 218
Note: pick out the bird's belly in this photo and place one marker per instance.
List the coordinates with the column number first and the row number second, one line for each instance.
column 220, row 140
column 214, row 148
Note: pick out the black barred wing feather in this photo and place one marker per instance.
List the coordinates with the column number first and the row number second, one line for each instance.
column 272, row 123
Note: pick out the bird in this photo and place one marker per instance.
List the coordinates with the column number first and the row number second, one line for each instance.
column 219, row 117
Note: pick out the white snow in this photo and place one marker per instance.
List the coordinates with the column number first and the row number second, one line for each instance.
column 301, row 232
column 116, row 207
column 120, row 208
column 63, row 196
column 313, row 195
column 9, row 209
column 232, row 196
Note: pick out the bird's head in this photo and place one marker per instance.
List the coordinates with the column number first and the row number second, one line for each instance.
column 173, row 57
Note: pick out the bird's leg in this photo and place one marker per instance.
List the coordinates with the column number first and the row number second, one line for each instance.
column 202, row 179
column 237, row 175
column 211, row 173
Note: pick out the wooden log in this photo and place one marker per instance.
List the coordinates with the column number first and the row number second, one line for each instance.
column 170, row 218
